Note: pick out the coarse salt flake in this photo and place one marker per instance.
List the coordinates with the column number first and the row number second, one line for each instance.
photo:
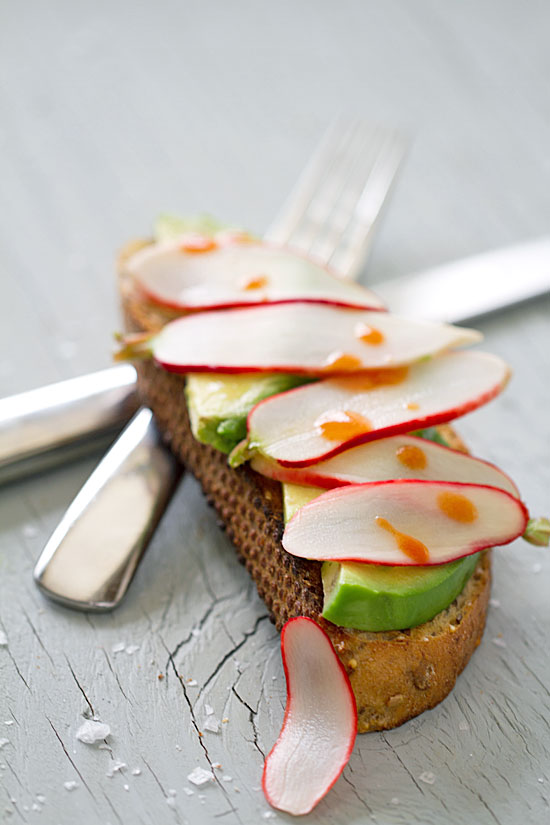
column 192, row 682
column 499, row 642
column 188, row 791
column 3, row 639
column 91, row 731
column 71, row 785
column 462, row 725
column 136, row 772
column 209, row 710
column 119, row 647
column 200, row 776
column 227, row 778
column 115, row 768
column 212, row 724
column 4, row 742
column 132, row 649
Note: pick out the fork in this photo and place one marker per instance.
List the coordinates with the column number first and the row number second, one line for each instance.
column 92, row 555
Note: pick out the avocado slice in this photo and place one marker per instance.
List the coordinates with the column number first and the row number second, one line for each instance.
column 219, row 404
column 377, row 597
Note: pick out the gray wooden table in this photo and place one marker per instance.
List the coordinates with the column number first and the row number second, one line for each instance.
column 112, row 112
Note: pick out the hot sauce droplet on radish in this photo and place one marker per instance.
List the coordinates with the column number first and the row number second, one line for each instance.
column 345, row 425
column 411, row 547
column 370, row 335
column 385, row 376
column 195, row 244
column 412, row 457
column 457, row 507
column 342, row 362
column 258, row 282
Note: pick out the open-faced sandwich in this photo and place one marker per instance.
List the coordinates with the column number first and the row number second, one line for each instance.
column 317, row 425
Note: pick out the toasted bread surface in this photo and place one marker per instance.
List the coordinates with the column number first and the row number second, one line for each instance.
column 395, row 675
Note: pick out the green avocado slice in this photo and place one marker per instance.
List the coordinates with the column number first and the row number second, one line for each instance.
column 219, row 404
column 377, row 597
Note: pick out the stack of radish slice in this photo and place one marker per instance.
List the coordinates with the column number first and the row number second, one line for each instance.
column 314, row 339
column 191, row 273
column 399, row 500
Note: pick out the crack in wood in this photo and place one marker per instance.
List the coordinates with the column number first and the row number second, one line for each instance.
column 81, row 689
column 247, row 635
column 66, row 752
column 116, row 677
column 251, row 718
column 36, row 634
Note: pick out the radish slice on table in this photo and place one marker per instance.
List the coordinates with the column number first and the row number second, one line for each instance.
column 404, row 522
column 401, row 456
column 306, row 425
column 300, row 338
column 320, row 723
column 191, row 276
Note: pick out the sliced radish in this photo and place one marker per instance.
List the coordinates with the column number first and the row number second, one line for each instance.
column 299, row 338
column 320, row 722
column 190, row 276
column 404, row 522
column 306, row 425
column 401, row 456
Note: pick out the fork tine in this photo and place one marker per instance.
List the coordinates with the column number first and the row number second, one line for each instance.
column 332, row 210
column 296, row 206
column 351, row 249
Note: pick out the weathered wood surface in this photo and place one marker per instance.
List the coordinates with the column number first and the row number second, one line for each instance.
column 113, row 112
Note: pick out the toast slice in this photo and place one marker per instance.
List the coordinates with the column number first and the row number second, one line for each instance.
column 395, row 675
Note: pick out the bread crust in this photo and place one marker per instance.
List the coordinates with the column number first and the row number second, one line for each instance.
column 395, row 675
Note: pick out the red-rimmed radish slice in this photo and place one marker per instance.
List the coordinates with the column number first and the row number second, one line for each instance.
column 401, row 456
column 315, row 339
column 306, row 425
column 238, row 274
column 320, row 722
column 405, row 522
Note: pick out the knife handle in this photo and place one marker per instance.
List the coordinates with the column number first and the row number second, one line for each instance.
column 46, row 426
column 92, row 555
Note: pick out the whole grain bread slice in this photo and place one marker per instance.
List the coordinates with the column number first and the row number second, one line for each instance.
column 395, row 675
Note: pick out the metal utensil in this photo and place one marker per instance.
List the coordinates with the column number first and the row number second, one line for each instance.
column 49, row 425
column 330, row 205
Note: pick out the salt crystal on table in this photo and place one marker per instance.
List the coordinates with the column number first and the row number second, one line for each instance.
column 212, row 724
column 35, row 807
column 172, row 792
column 216, row 764
column 463, row 725
column 192, row 682
column 499, row 642
column 40, row 798
column 394, row 800
column 269, row 815
column 126, row 787
column 428, row 777
column 92, row 731
column 3, row 639
column 9, row 722
column 494, row 602
column 115, row 768
column 200, row 776
column 4, row 742
column 195, row 632
column 119, row 647
column 171, row 801
column 188, row 791
column 136, row 772
column 227, row 778
column 209, row 710
column 71, row 785
column 131, row 649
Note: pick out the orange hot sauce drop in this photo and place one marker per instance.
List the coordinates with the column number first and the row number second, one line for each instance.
column 411, row 547
column 342, row 362
column 256, row 283
column 370, row 335
column 347, row 425
column 412, row 457
column 198, row 243
column 457, row 507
